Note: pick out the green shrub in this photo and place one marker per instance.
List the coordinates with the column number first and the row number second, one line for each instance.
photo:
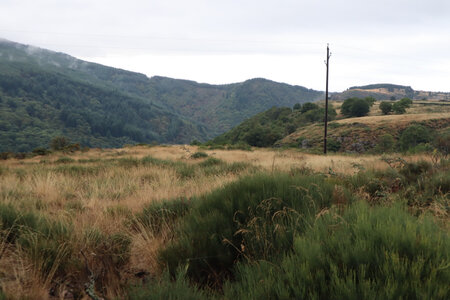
column 6, row 155
column 253, row 218
column 199, row 155
column 308, row 106
column 41, row 151
column 333, row 145
column 385, row 107
column 59, row 143
column 195, row 143
column 368, row 253
column 355, row 107
column 406, row 102
column 421, row 148
column 442, row 143
column 412, row 171
column 439, row 183
column 385, row 143
column 398, row 108
column 211, row 161
column 413, row 136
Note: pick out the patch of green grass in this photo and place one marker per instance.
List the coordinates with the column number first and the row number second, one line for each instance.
column 64, row 160
column 77, row 170
column 199, row 154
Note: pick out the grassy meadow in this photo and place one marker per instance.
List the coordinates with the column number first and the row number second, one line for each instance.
column 177, row 222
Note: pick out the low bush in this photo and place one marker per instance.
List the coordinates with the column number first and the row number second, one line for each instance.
column 211, row 161
column 385, row 143
column 333, row 145
column 166, row 288
column 367, row 253
column 6, row 155
column 41, row 151
column 413, row 171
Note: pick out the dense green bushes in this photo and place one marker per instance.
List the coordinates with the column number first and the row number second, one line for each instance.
column 301, row 237
column 254, row 218
column 367, row 253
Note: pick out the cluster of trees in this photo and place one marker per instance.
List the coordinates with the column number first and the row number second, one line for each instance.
column 398, row 107
column 359, row 107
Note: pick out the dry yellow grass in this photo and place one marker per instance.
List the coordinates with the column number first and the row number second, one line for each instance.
column 397, row 119
column 100, row 194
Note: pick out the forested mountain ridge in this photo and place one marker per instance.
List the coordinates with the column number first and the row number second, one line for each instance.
column 44, row 94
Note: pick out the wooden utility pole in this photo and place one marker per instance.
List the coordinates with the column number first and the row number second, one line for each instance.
column 326, row 102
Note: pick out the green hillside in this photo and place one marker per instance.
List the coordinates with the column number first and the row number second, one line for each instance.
column 264, row 129
column 44, row 94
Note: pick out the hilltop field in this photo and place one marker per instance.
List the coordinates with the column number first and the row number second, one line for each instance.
column 154, row 222
column 364, row 133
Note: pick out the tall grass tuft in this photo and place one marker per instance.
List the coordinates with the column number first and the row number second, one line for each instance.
column 48, row 247
column 159, row 213
column 13, row 222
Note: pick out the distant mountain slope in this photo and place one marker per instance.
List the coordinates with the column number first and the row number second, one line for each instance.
column 221, row 107
column 44, row 93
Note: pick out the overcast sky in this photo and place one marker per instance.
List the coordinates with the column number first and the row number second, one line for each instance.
column 383, row 41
